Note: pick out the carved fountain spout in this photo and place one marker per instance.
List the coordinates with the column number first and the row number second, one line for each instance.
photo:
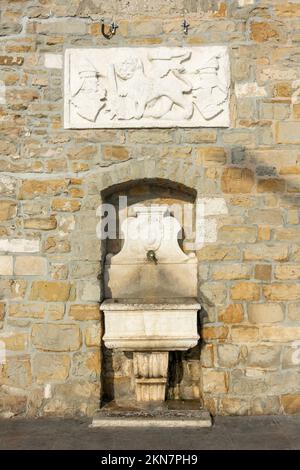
column 151, row 256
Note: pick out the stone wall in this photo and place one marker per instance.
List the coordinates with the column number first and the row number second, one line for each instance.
column 50, row 186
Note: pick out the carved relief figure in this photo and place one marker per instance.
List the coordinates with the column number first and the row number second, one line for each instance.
column 90, row 97
column 209, row 93
column 148, row 87
column 139, row 95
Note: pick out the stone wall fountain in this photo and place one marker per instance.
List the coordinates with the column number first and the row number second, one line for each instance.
column 151, row 302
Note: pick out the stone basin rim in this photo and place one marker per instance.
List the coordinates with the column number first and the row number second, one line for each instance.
column 151, row 304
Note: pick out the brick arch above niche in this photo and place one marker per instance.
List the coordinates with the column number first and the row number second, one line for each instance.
column 185, row 174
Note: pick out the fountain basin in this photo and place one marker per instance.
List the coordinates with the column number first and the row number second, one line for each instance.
column 161, row 325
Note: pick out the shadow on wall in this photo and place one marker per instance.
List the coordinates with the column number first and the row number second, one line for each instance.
column 245, row 175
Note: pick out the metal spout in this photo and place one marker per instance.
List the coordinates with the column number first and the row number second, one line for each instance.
column 151, row 256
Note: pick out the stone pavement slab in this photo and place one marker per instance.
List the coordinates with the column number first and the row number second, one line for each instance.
column 269, row 432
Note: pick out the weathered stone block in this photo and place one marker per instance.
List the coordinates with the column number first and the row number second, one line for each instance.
column 93, row 335
column 12, row 289
column 66, row 205
column 265, row 313
column 41, row 223
column 287, row 234
column 291, row 404
column 263, row 272
column 283, row 382
column 87, row 365
column 211, row 156
column 265, row 217
column 82, row 153
column 286, row 10
column 6, row 265
column 228, row 355
column 230, row 272
column 31, row 189
column 7, row 183
column 15, row 341
column 207, row 355
column 218, row 253
column 264, row 31
column 233, row 313
column 214, row 381
column 265, row 405
column 115, row 152
column 19, row 245
column 30, row 266
column 271, row 185
column 239, row 138
column 241, row 384
column 235, row 234
column 234, row 406
column 27, row 310
column 56, row 311
column 282, row 89
column 281, row 334
column 16, row 372
column 249, row 89
column 199, row 136
column 51, row 291
column 264, row 356
column 279, row 291
column 287, row 271
column 56, row 337
column 288, row 132
column 214, row 332
column 57, row 245
column 145, row 28
column 74, row 26
column 8, row 210
column 291, row 356
column 294, row 311
column 245, row 291
column 263, row 233
column 11, row 60
column 263, row 252
column 244, row 334
column 237, row 180
column 214, row 292
column 90, row 291
column 84, row 312
column 51, row 367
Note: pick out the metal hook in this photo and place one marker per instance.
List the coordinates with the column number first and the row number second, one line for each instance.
column 113, row 27
column 185, row 26
column 111, row 31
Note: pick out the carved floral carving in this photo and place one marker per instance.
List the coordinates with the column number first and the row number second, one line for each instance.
column 147, row 87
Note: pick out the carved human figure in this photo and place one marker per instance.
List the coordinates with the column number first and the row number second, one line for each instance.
column 139, row 95
column 90, row 97
column 209, row 92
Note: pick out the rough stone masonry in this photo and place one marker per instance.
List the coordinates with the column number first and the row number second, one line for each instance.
column 50, row 187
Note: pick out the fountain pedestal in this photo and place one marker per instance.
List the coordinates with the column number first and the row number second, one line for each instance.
column 151, row 376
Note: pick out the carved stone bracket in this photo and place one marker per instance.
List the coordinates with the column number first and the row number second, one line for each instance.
column 151, row 373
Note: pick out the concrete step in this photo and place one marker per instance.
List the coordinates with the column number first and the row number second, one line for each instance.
column 115, row 416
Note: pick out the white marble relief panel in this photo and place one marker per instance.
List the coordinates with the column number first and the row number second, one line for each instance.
column 147, row 87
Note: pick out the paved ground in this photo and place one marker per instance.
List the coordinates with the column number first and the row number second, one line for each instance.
column 227, row 433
